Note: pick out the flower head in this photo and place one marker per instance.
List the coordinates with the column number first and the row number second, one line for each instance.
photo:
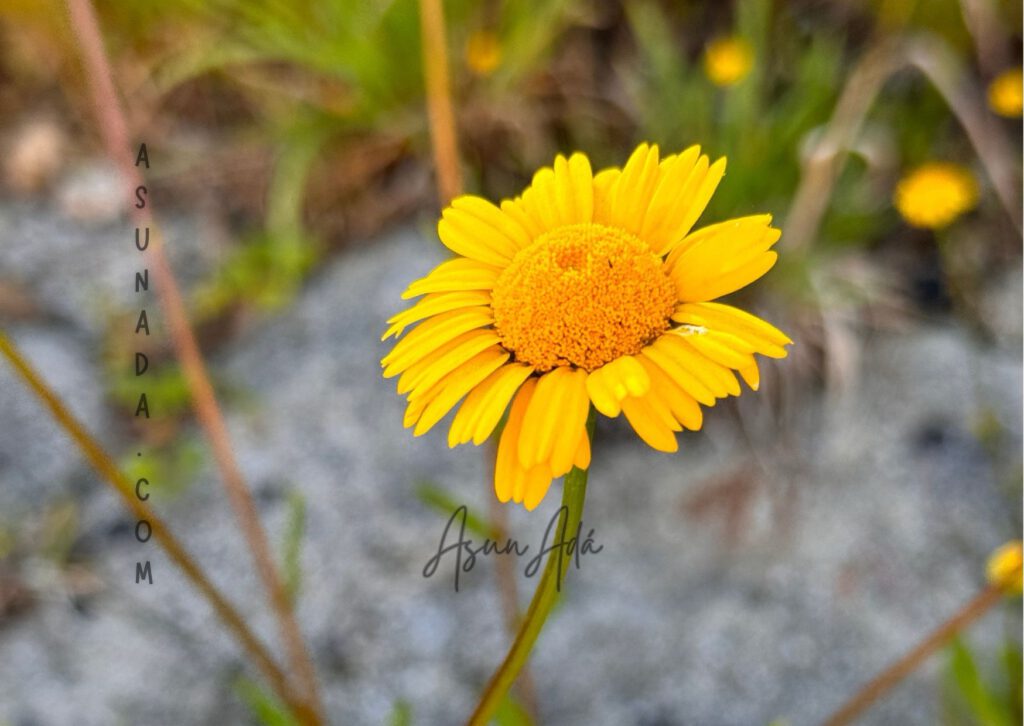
column 586, row 290
column 935, row 194
column 483, row 52
column 1004, row 567
column 1005, row 93
column 727, row 61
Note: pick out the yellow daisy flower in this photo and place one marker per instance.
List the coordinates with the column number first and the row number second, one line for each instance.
column 727, row 61
column 1004, row 567
column 935, row 194
column 483, row 52
column 1005, row 93
column 585, row 290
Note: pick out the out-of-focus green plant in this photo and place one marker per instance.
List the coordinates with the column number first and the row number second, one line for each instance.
column 314, row 71
column 291, row 546
column 266, row 708
column 267, row 269
column 985, row 696
column 401, row 714
column 264, row 271
column 58, row 529
column 338, row 56
column 512, row 713
column 759, row 122
column 527, row 32
column 170, row 469
column 165, row 388
column 431, row 494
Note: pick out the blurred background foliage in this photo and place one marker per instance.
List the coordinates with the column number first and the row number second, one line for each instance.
column 299, row 127
column 336, row 89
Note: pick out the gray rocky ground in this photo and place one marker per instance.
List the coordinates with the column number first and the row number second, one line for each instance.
column 876, row 507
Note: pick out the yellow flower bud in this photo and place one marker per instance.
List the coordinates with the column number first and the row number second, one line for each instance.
column 727, row 61
column 483, row 52
column 1005, row 93
column 1004, row 567
column 935, row 194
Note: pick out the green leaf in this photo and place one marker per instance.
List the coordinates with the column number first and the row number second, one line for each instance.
column 511, row 713
column 437, row 498
column 982, row 703
column 1014, row 668
column 401, row 714
column 265, row 707
column 292, row 545
column 171, row 468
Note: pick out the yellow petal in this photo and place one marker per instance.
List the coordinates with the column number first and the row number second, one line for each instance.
column 668, row 200
column 752, row 376
column 696, row 204
column 684, row 408
column 435, row 304
column 659, row 407
column 509, row 226
column 558, row 409
column 574, row 189
column 484, row 406
column 604, row 182
column 567, row 437
column 515, row 210
column 731, row 280
column 467, row 235
column 627, row 377
column 582, row 458
column 633, row 189
column 456, row 385
column 762, row 336
column 434, row 367
column 612, row 382
column 539, row 199
column 537, row 482
column 663, row 353
column 716, row 377
column 506, row 462
column 722, row 348
column 457, row 274
column 432, row 334
column 722, row 258
column 413, row 411
column 648, row 425
column 602, row 395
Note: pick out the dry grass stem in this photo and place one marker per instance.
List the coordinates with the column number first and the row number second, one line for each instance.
column 104, row 465
column 891, row 676
column 111, row 118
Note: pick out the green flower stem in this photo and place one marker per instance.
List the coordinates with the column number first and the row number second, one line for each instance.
column 574, row 491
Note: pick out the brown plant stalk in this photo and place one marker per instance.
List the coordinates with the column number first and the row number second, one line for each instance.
column 891, row 676
column 113, row 127
column 104, row 465
column 439, row 101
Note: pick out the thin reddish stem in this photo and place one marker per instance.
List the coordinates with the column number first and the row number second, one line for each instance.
column 104, row 465
column 114, row 129
column 891, row 676
column 439, row 101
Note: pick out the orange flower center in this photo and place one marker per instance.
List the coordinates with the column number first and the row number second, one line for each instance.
column 582, row 295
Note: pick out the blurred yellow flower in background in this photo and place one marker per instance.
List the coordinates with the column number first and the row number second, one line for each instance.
column 483, row 52
column 935, row 194
column 588, row 289
column 1005, row 93
column 1005, row 567
column 727, row 61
